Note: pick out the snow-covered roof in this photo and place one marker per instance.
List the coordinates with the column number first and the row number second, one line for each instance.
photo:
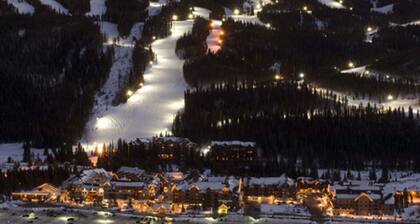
column 131, row 170
column 234, row 143
column 270, row 180
column 127, row 184
column 354, row 196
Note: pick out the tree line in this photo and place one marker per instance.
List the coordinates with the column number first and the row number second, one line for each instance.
column 291, row 125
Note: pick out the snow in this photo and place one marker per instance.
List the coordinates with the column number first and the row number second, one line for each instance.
column 357, row 70
column 22, row 6
column 56, row 6
column 387, row 9
column 411, row 213
column 239, row 143
column 267, row 181
column 283, row 209
column 202, row 12
column 110, row 30
column 151, row 109
column 332, row 4
column 15, row 151
column 97, row 8
column 154, row 8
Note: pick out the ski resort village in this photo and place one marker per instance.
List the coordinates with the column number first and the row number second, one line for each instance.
column 209, row 111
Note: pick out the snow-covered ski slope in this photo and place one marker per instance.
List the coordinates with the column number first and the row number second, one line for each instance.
column 151, row 109
column 56, row 6
column 97, row 8
column 22, row 6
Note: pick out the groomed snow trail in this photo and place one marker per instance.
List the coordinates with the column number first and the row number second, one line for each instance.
column 97, row 8
column 56, row 6
column 152, row 108
column 22, row 6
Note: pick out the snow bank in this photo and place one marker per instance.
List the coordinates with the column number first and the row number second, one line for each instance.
column 387, row 9
column 56, row 6
column 154, row 8
column 202, row 12
column 110, row 30
column 151, row 109
column 97, row 8
column 283, row 209
column 22, row 6
column 332, row 4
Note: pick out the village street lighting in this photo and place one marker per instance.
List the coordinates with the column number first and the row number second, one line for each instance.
column 351, row 65
column 220, row 41
column 277, row 77
column 154, row 37
column 305, row 8
column 369, row 29
column 341, row 1
column 268, row 25
column 174, row 17
column 190, row 16
column 129, row 93
column 302, row 75
column 141, row 84
column 258, row 6
column 222, row 33
column 236, row 11
column 390, row 97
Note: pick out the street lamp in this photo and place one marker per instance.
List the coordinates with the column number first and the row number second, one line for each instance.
column 236, row 11
column 190, row 16
column 302, row 75
column 174, row 17
column 268, row 25
column 390, row 97
column 129, row 93
column 351, row 65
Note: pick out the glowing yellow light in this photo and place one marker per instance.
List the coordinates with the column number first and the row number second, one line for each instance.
column 222, row 33
column 223, row 19
column 268, row 25
column 154, row 37
column 351, row 65
column 302, row 75
column 129, row 93
column 351, row 8
column 141, row 84
column 277, row 77
column 236, row 11
column 151, row 62
column 369, row 29
column 305, row 8
column 220, row 41
column 390, row 97
column 190, row 16
column 387, row 76
column 174, row 17
column 211, row 24
column 258, row 6
column 341, row 1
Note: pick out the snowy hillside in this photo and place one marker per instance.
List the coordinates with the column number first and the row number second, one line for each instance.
column 56, row 6
column 97, row 8
column 22, row 6
column 151, row 109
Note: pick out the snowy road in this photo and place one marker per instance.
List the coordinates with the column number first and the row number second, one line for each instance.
column 151, row 109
